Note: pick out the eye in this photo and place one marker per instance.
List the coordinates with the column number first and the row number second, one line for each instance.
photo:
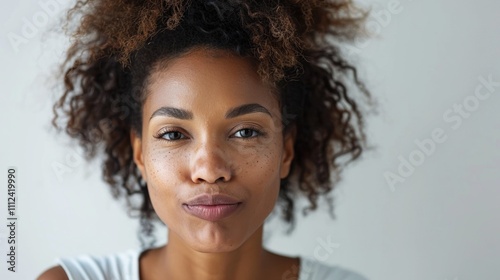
column 172, row 135
column 247, row 133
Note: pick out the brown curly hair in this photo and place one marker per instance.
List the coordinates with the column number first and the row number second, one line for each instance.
column 117, row 43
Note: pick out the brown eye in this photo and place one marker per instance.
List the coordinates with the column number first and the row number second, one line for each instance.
column 171, row 135
column 246, row 133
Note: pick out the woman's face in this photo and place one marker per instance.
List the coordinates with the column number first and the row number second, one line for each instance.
column 210, row 126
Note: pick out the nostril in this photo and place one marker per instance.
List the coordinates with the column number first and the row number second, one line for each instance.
column 220, row 179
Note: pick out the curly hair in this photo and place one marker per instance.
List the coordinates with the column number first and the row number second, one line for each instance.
column 116, row 45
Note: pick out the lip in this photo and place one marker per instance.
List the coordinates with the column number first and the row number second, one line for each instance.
column 212, row 207
column 212, row 199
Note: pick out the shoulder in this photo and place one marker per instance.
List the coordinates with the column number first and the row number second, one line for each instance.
column 312, row 269
column 122, row 265
column 53, row 273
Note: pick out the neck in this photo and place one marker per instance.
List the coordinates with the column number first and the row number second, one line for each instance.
column 248, row 262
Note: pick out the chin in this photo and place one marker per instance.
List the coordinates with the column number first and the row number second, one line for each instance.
column 211, row 246
column 216, row 243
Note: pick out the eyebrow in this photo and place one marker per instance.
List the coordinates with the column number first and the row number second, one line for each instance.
column 172, row 112
column 231, row 113
column 246, row 109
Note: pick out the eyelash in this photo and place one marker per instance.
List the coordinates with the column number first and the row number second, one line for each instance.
column 166, row 131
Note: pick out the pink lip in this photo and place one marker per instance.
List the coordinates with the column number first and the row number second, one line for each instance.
column 212, row 207
column 215, row 199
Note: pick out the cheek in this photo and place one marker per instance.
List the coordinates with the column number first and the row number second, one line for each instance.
column 160, row 166
column 261, row 170
column 163, row 171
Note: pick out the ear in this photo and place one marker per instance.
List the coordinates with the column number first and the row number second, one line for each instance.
column 288, row 151
column 138, row 157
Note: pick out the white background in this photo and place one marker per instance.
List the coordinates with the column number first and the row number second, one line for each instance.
column 442, row 222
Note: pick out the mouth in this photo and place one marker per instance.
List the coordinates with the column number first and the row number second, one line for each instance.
column 212, row 207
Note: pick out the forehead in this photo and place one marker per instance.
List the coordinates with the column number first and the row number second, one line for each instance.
column 207, row 77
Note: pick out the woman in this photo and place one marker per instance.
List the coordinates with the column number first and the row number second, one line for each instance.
column 211, row 112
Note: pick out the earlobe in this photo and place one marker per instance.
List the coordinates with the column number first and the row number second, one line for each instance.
column 288, row 152
column 138, row 158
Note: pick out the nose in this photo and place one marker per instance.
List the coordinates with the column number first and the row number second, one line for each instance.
column 210, row 164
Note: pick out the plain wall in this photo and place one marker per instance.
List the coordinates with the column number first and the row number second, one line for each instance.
column 438, row 220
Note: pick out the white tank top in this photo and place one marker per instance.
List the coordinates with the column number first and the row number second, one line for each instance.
column 125, row 266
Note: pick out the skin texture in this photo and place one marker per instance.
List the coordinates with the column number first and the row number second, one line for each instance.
column 244, row 157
